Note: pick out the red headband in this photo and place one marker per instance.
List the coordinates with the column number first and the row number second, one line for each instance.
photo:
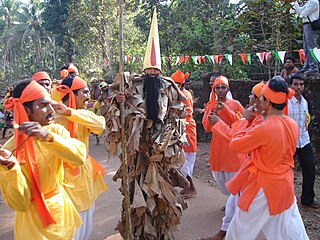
column 26, row 153
column 276, row 97
column 41, row 76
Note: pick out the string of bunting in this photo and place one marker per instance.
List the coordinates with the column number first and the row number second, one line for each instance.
column 246, row 58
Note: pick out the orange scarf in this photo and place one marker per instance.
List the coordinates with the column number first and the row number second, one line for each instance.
column 77, row 83
column 212, row 102
column 26, row 153
column 278, row 97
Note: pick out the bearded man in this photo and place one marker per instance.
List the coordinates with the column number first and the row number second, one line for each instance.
column 154, row 139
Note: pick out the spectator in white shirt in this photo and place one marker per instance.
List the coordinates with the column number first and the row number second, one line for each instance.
column 309, row 13
column 298, row 110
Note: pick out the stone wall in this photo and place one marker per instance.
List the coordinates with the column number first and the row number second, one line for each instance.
column 240, row 90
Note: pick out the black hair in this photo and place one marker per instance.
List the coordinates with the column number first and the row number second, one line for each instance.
column 296, row 76
column 65, row 66
column 277, row 84
column 291, row 58
column 17, row 92
column 215, row 75
column 67, row 81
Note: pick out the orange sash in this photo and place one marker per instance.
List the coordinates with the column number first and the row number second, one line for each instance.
column 26, row 153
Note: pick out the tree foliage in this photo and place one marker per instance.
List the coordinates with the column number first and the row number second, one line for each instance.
column 42, row 35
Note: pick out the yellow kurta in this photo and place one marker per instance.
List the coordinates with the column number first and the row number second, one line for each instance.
column 16, row 192
column 83, row 188
column 55, row 95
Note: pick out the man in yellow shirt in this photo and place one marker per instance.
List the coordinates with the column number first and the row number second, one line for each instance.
column 84, row 184
column 31, row 176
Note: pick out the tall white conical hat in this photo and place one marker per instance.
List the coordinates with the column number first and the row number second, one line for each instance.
column 152, row 57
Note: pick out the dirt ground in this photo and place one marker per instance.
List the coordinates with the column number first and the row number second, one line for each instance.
column 202, row 172
column 310, row 216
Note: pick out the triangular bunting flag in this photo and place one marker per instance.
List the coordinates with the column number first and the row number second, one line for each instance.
column 261, row 56
column 186, row 59
column 177, row 60
column 267, row 56
column 243, row 57
column 249, row 58
column 199, row 58
column 315, row 53
column 181, row 60
column 208, row 58
column 229, row 58
column 280, row 55
column 217, row 58
column 212, row 59
column 302, row 56
column 204, row 59
column 194, row 59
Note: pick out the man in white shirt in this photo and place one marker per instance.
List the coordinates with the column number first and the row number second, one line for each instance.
column 309, row 13
column 298, row 110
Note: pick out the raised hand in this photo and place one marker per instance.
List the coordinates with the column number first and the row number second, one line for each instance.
column 35, row 130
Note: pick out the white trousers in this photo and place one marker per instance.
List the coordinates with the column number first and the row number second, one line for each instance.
column 287, row 225
column 221, row 179
column 85, row 229
column 187, row 168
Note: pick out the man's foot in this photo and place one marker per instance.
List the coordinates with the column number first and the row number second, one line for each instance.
column 311, row 72
column 314, row 205
column 219, row 236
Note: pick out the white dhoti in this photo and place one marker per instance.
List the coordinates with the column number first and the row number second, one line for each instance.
column 221, row 179
column 187, row 168
column 287, row 225
column 85, row 229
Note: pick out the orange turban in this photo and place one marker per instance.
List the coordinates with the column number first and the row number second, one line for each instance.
column 278, row 97
column 77, row 83
column 26, row 152
column 65, row 72
column 41, row 76
column 257, row 89
column 179, row 77
column 219, row 80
